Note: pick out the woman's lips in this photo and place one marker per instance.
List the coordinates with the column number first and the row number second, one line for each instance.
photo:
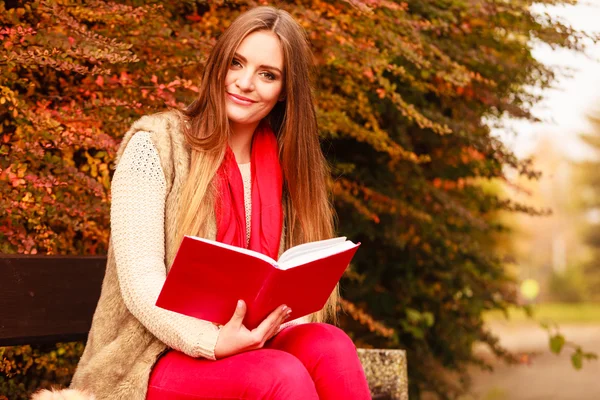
column 240, row 100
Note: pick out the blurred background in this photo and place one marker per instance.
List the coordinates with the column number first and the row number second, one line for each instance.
column 557, row 257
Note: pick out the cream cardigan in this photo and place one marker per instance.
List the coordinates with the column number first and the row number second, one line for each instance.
column 128, row 332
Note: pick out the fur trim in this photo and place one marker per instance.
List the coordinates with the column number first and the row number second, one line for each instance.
column 65, row 394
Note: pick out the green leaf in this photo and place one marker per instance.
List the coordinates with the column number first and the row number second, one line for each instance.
column 413, row 315
column 577, row 359
column 556, row 343
column 428, row 318
column 416, row 332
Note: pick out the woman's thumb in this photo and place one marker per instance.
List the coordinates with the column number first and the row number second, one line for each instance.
column 240, row 312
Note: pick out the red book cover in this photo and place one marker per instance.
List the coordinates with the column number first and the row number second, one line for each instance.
column 208, row 278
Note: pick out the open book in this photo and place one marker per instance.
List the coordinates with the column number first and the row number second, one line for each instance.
column 208, row 278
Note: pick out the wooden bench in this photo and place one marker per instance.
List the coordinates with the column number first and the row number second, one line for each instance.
column 46, row 299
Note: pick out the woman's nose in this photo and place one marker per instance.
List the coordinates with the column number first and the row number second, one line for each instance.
column 244, row 82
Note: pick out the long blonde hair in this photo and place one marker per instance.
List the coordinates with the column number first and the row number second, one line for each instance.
column 308, row 210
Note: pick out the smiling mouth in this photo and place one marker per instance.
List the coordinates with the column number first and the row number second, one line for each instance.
column 240, row 100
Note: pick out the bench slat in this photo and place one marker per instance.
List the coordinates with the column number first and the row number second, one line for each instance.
column 45, row 299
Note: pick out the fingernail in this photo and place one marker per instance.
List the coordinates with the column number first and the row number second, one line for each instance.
column 284, row 308
column 289, row 311
column 239, row 304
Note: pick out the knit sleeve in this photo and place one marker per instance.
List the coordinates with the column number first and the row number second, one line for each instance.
column 138, row 236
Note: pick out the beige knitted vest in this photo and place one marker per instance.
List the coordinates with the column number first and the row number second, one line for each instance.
column 120, row 351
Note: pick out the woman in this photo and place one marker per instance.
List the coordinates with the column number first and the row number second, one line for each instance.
column 241, row 164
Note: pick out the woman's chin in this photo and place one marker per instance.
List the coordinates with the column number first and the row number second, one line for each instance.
column 242, row 118
column 241, row 121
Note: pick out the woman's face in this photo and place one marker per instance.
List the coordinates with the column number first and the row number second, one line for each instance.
column 254, row 81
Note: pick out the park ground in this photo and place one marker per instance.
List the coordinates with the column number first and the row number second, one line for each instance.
column 540, row 373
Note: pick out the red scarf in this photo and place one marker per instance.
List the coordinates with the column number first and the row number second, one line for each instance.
column 267, row 217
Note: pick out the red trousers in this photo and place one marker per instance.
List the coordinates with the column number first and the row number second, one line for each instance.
column 308, row 361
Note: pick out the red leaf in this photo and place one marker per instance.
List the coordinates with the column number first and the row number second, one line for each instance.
column 194, row 17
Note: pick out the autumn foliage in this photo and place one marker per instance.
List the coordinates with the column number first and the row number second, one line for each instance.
column 404, row 90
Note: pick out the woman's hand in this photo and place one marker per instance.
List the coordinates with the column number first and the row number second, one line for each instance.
column 235, row 338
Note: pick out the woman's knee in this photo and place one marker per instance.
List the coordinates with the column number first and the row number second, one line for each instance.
column 260, row 374
column 324, row 338
column 282, row 376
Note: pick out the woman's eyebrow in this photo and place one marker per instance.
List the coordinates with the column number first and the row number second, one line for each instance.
column 241, row 57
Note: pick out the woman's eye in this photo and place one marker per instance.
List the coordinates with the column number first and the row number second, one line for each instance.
column 235, row 62
column 269, row 76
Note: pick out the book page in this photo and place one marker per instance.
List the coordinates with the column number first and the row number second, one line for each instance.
column 305, row 257
column 309, row 247
column 238, row 249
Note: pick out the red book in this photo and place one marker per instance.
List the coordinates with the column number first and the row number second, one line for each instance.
column 208, row 278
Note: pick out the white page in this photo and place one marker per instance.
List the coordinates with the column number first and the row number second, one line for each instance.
column 306, row 250
column 308, row 256
column 297, row 255
column 238, row 249
column 309, row 247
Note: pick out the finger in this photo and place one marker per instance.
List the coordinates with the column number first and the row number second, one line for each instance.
column 277, row 327
column 285, row 316
column 272, row 332
column 239, row 313
column 262, row 330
